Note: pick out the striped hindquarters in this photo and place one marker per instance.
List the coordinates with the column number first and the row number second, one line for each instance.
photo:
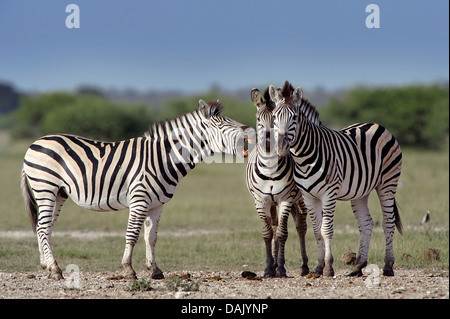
column 96, row 175
column 375, row 160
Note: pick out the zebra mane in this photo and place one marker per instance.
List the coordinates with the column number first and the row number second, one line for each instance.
column 306, row 107
column 162, row 128
column 215, row 107
column 287, row 91
column 310, row 111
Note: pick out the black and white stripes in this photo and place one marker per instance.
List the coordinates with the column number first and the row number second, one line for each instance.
column 339, row 165
column 140, row 173
column 270, row 180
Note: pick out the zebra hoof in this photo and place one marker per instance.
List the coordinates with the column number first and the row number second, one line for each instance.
column 388, row 272
column 281, row 272
column 355, row 273
column 157, row 274
column 269, row 272
column 304, row 271
column 130, row 275
column 328, row 272
column 54, row 272
column 318, row 271
column 55, row 276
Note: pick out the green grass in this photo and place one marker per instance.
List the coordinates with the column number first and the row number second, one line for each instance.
column 213, row 201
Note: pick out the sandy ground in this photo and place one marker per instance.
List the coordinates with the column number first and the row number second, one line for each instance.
column 407, row 284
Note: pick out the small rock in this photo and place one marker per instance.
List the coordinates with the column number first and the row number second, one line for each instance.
column 312, row 275
column 181, row 294
column 248, row 275
column 349, row 258
column 399, row 290
column 215, row 278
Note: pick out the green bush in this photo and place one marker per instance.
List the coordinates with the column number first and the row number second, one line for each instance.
column 417, row 115
column 86, row 115
column 95, row 117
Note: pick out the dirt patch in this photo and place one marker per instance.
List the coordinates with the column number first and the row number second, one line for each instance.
column 407, row 283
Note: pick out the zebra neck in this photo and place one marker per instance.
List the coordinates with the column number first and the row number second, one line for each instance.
column 179, row 146
column 268, row 163
column 309, row 143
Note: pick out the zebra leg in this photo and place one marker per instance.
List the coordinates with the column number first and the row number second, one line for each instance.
column 281, row 237
column 151, row 230
column 49, row 209
column 301, row 227
column 267, row 232
column 389, row 207
column 138, row 214
column 327, row 234
column 314, row 208
column 275, row 241
column 365, row 223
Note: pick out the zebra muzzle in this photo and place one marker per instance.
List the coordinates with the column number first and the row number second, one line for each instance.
column 243, row 145
column 249, row 137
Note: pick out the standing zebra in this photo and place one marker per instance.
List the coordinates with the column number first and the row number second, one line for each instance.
column 339, row 165
column 139, row 173
column 270, row 180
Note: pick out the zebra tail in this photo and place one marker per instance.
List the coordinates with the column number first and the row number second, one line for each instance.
column 30, row 202
column 398, row 221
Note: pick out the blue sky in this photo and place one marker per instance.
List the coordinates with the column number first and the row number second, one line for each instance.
column 189, row 45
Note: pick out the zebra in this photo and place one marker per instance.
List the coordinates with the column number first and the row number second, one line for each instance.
column 140, row 174
column 339, row 165
column 270, row 181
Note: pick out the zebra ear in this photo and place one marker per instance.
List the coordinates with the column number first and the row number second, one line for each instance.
column 204, row 107
column 297, row 95
column 274, row 94
column 256, row 98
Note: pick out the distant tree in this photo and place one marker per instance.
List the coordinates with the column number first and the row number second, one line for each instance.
column 90, row 90
column 33, row 109
column 417, row 115
column 87, row 115
column 9, row 98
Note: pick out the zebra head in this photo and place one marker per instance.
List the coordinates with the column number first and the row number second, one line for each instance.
column 264, row 122
column 223, row 134
column 285, row 115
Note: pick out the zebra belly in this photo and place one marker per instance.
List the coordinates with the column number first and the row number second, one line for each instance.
column 342, row 192
column 103, row 204
column 277, row 192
